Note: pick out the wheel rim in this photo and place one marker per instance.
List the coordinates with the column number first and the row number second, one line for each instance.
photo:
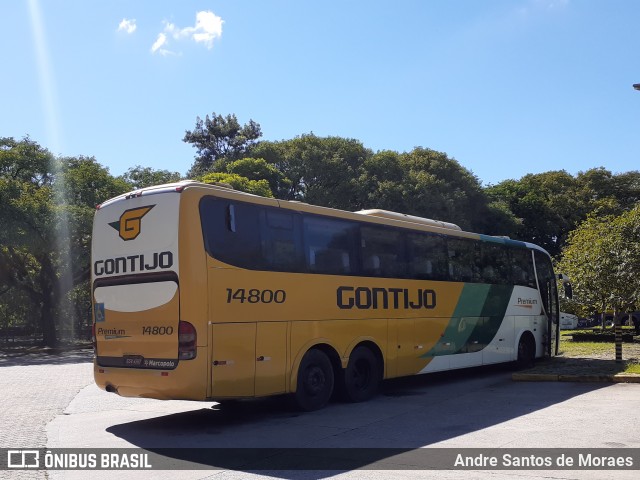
column 361, row 377
column 522, row 350
column 315, row 380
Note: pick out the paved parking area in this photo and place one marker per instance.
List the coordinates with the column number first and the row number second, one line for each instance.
column 473, row 409
column 34, row 389
column 52, row 402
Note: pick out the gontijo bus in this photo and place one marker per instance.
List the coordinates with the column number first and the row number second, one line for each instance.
column 206, row 293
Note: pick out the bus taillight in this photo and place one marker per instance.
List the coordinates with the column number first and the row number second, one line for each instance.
column 187, row 341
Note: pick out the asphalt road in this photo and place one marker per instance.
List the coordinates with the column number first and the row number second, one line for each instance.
column 472, row 409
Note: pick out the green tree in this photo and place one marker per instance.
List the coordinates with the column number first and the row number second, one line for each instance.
column 602, row 259
column 256, row 187
column 429, row 184
column 258, row 169
column 382, row 182
column 142, row 177
column 219, row 138
column 550, row 205
column 607, row 193
column 323, row 170
column 47, row 207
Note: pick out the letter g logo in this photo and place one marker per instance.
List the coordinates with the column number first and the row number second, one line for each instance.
column 129, row 224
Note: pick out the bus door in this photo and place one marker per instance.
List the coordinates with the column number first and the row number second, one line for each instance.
column 549, row 295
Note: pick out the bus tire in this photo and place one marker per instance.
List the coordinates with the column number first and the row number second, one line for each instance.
column 315, row 381
column 362, row 376
column 526, row 351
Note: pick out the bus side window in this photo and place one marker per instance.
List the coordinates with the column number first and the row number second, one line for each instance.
column 428, row 256
column 382, row 252
column 231, row 232
column 329, row 245
column 522, row 268
column 282, row 242
column 494, row 264
column 463, row 259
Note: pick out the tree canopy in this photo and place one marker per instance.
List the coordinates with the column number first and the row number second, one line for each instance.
column 216, row 138
column 550, row 205
column 602, row 258
column 141, row 177
column 48, row 202
column 47, row 209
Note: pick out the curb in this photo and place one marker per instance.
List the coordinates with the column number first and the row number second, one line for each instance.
column 552, row 377
column 534, row 377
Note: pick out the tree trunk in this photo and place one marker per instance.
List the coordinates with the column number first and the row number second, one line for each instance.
column 48, row 286
column 618, row 328
column 47, row 322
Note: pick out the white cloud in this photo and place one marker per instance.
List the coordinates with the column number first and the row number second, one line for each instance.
column 157, row 45
column 208, row 27
column 127, row 25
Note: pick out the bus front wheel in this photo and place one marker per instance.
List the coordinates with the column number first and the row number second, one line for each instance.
column 362, row 376
column 526, row 351
column 315, row 381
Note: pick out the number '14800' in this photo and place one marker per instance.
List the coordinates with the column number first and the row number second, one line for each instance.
column 254, row 295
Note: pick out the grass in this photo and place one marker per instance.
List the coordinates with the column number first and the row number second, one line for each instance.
column 633, row 368
column 607, row 330
column 597, row 352
column 569, row 348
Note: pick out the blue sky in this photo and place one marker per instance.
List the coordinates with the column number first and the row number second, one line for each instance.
column 506, row 87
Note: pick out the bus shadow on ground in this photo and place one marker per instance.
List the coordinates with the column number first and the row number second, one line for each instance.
column 414, row 412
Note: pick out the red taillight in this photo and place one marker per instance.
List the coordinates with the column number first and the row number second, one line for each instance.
column 187, row 341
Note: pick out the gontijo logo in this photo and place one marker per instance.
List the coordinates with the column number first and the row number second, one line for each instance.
column 128, row 226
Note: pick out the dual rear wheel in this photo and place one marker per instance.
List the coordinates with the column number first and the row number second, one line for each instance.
column 317, row 380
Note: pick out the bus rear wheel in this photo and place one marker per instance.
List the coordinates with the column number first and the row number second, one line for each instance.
column 362, row 376
column 315, row 381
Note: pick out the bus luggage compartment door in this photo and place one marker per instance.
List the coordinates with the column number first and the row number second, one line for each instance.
column 233, row 361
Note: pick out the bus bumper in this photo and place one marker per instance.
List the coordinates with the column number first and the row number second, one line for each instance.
column 188, row 381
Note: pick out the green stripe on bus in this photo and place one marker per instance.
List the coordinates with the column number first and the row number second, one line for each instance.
column 475, row 321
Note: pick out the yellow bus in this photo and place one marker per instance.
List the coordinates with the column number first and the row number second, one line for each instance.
column 202, row 292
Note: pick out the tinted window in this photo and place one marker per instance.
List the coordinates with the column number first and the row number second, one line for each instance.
column 329, row 245
column 382, row 252
column 428, row 256
column 268, row 238
column 522, row 268
column 282, row 240
column 462, row 260
column 493, row 264
column 232, row 232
